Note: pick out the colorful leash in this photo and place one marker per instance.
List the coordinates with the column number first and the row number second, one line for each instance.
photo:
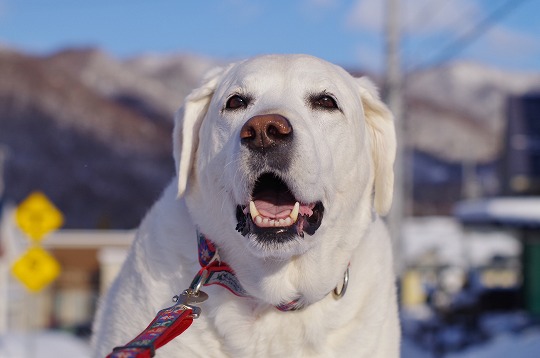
column 169, row 323
column 173, row 321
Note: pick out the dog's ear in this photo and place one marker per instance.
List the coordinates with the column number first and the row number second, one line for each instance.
column 187, row 122
column 380, row 125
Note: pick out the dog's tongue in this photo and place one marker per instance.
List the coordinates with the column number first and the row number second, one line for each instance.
column 273, row 204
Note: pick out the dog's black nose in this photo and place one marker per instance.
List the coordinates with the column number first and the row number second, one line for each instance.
column 266, row 131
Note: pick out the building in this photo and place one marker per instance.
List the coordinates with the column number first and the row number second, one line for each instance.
column 89, row 261
column 520, row 164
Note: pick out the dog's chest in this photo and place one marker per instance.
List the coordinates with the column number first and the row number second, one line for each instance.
column 236, row 328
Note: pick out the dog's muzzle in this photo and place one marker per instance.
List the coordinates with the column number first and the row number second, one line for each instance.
column 273, row 214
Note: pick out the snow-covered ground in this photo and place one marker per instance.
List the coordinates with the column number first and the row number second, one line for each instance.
column 526, row 345
column 44, row 344
column 452, row 244
column 508, row 335
column 63, row 345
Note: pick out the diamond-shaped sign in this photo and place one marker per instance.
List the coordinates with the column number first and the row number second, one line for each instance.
column 37, row 216
column 36, row 269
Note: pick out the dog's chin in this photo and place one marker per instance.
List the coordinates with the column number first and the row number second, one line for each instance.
column 279, row 242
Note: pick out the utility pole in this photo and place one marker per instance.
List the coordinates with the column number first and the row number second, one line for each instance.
column 393, row 91
column 4, row 268
column 3, row 155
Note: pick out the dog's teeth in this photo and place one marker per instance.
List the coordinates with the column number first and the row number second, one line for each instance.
column 294, row 213
column 262, row 221
column 253, row 210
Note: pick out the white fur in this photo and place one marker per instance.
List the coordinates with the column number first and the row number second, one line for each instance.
column 342, row 158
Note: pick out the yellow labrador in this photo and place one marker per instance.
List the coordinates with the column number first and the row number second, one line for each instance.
column 284, row 163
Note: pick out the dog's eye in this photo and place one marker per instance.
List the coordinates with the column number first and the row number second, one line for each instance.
column 323, row 101
column 236, row 102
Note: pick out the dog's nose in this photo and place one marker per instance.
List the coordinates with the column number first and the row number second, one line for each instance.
column 266, row 131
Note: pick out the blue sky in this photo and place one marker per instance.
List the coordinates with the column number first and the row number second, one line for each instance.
column 347, row 32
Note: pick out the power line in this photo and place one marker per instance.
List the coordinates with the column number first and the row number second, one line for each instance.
column 429, row 12
column 426, row 16
column 470, row 36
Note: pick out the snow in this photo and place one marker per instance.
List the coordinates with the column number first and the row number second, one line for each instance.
column 452, row 244
column 503, row 335
column 52, row 344
column 509, row 335
column 524, row 211
column 526, row 345
column 504, row 346
column 43, row 344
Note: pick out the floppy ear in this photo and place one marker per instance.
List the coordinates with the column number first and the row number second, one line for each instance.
column 380, row 125
column 187, row 123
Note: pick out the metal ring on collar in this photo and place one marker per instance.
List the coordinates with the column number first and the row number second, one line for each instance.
column 338, row 294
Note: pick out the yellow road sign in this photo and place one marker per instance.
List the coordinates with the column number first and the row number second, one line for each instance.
column 36, row 268
column 37, row 216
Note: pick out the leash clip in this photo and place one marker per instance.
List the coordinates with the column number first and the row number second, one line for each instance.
column 194, row 295
column 188, row 298
column 201, row 276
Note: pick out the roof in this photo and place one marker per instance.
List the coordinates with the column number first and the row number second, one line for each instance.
column 517, row 212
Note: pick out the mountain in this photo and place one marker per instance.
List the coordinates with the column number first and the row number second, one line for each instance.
column 467, row 103
column 94, row 132
column 154, row 85
column 99, row 161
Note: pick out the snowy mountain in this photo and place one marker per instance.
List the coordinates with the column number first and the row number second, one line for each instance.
column 467, row 103
column 160, row 83
column 94, row 132
column 100, row 161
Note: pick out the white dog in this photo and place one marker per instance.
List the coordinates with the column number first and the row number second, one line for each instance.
column 284, row 162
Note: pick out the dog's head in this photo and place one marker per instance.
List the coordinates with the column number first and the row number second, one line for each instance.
column 279, row 154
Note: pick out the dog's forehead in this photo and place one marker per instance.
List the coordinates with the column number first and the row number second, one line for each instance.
column 285, row 71
column 284, row 63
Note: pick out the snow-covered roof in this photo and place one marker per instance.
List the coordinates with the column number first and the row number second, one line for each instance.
column 520, row 212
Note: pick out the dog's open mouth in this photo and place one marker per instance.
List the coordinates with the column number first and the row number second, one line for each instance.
column 274, row 214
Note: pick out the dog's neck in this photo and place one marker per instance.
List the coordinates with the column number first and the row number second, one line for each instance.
column 220, row 273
